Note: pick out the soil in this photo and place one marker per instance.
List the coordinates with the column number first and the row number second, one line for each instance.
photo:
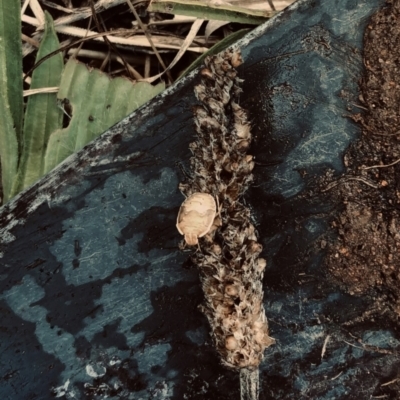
column 365, row 259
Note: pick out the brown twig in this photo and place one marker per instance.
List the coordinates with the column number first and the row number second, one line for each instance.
column 347, row 179
column 382, row 166
column 109, row 44
column 148, row 36
column 66, row 47
column 390, row 382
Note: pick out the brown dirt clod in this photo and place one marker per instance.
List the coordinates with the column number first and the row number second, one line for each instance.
column 366, row 256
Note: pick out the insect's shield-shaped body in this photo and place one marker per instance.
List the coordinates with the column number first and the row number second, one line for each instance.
column 196, row 217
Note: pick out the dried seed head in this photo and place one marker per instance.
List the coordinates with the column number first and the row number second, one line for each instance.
column 243, row 131
column 228, row 323
column 215, row 106
column 231, row 74
column 239, row 114
column 238, row 334
column 261, row 264
column 247, row 165
column 228, row 259
column 231, row 166
column 256, row 307
column 216, row 249
column 236, row 59
column 225, row 97
column 193, row 146
column 210, row 123
column 243, row 145
column 199, row 112
column 231, row 290
column 254, row 248
column 226, row 68
column 251, row 166
column 201, row 171
column 207, row 73
column 223, row 310
column 250, row 230
column 183, row 187
column 261, row 333
column 231, row 343
column 200, row 92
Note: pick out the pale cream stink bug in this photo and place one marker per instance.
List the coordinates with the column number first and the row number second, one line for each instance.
column 196, row 217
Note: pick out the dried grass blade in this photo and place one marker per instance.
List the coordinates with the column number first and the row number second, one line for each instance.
column 187, row 42
column 37, row 11
column 209, row 11
column 141, row 41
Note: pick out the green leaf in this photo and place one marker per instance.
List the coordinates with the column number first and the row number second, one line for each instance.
column 97, row 103
column 11, row 61
column 8, row 148
column 11, row 101
column 42, row 116
column 203, row 10
column 217, row 48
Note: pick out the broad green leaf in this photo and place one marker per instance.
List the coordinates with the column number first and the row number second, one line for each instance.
column 205, row 10
column 11, row 62
column 217, row 48
column 8, row 148
column 96, row 103
column 11, row 102
column 42, row 116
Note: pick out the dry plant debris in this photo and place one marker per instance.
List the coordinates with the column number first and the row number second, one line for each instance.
column 366, row 256
column 122, row 37
column 228, row 255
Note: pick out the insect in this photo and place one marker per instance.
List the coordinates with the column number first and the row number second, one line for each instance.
column 196, row 217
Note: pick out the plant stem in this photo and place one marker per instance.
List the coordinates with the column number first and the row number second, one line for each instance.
column 249, row 384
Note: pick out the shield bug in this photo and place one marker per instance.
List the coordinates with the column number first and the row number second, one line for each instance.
column 196, row 217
